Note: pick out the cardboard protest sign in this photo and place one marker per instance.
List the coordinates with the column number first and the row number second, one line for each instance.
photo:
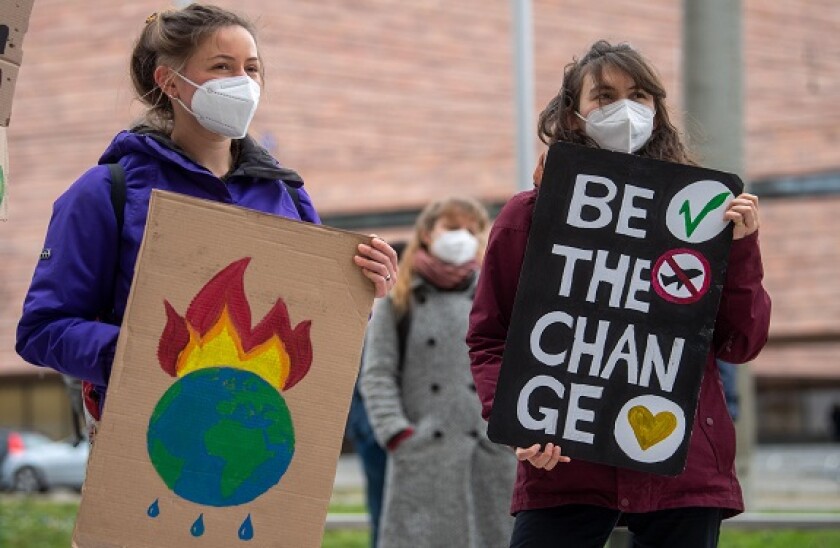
column 615, row 309
column 231, row 382
column 14, row 20
column 4, row 173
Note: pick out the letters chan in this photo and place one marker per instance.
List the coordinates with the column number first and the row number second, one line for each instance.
column 640, row 363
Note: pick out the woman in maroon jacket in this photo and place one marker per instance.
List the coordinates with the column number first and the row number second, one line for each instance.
column 611, row 98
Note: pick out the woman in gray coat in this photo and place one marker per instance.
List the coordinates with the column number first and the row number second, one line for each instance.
column 446, row 484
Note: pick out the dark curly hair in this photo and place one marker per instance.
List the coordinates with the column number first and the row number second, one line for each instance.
column 555, row 122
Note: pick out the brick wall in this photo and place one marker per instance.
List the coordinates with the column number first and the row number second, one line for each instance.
column 381, row 103
column 792, row 89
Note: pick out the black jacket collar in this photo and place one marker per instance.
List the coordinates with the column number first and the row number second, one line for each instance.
column 250, row 159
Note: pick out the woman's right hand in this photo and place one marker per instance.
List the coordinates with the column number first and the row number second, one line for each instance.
column 547, row 459
column 379, row 263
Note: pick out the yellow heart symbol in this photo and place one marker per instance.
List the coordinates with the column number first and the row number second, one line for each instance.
column 650, row 429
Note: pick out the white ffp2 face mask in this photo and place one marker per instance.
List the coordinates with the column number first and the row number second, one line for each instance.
column 623, row 126
column 455, row 246
column 224, row 105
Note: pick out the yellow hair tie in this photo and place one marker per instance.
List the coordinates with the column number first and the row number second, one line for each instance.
column 151, row 18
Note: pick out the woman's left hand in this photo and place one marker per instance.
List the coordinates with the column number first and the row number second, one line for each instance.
column 743, row 211
column 378, row 262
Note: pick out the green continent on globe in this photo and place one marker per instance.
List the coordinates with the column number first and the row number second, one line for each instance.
column 220, row 436
column 243, row 451
column 159, row 455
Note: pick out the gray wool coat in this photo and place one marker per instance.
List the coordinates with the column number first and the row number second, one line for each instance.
column 447, row 485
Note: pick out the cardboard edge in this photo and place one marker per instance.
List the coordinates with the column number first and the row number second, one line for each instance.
column 4, row 174
column 8, row 81
column 164, row 195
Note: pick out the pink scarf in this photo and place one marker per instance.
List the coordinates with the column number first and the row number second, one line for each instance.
column 440, row 274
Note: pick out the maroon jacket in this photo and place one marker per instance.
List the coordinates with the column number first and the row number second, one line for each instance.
column 709, row 477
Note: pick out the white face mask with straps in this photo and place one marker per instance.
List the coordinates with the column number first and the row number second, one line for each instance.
column 224, row 105
column 455, row 246
column 622, row 126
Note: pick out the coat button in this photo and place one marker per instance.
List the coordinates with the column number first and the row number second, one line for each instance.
column 625, row 502
column 435, row 388
column 473, row 433
column 472, row 387
column 438, row 434
column 421, row 299
column 431, row 342
column 710, row 421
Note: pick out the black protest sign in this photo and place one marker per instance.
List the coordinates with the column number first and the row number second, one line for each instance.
column 615, row 309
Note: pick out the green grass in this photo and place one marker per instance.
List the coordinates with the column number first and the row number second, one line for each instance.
column 31, row 522
column 347, row 508
column 779, row 539
column 346, row 539
column 35, row 522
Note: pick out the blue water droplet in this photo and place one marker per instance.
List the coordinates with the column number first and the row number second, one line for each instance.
column 154, row 509
column 246, row 530
column 197, row 528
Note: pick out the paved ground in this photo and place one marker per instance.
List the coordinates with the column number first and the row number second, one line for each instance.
column 797, row 478
column 784, row 478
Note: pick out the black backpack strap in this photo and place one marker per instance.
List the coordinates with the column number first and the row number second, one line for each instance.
column 118, row 198
column 89, row 396
column 293, row 192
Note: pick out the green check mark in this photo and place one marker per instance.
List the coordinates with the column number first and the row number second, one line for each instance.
column 692, row 224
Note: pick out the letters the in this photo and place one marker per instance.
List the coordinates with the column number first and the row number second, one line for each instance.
column 616, row 277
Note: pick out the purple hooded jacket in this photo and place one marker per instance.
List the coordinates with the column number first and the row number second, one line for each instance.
column 80, row 276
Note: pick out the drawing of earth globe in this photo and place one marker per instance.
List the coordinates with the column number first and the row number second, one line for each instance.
column 220, row 436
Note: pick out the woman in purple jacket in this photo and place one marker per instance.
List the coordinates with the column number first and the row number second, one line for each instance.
column 611, row 98
column 199, row 72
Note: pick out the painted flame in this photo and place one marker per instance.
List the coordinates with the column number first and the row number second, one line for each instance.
column 216, row 332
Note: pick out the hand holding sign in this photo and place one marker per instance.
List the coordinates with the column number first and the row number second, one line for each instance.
column 547, row 459
column 743, row 212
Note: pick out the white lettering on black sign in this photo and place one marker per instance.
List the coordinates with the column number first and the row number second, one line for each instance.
column 615, row 308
